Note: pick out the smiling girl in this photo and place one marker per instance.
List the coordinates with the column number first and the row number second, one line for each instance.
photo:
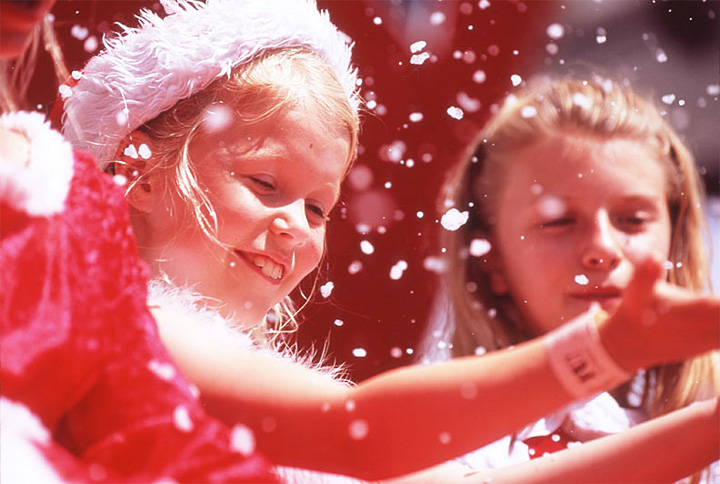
column 571, row 187
column 233, row 125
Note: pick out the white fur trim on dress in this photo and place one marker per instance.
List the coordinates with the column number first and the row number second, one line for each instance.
column 22, row 439
column 40, row 187
column 148, row 69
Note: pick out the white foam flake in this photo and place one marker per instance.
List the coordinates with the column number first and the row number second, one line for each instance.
column 435, row 264
column 397, row 270
column 601, row 36
column 120, row 180
column 359, row 352
column 480, row 350
column 479, row 77
column 217, row 118
column 455, row 112
column 377, row 21
column 437, row 18
column 360, row 177
column 661, row 56
column 355, row 267
column 581, row 101
column 582, row 280
column 453, row 219
column 713, row 89
column 144, row 151
column 483, row 4
column 555, row 31
column 121, row 118
column 528, row 112
column 419, row 59
column 479, row 247
column 467, row 103
column 182, row 420
column 415, row 117
column 393, row 152
column 551, row 207
column 396, row 352
column 77, row 75
column 668, row 98
column 358, row 429
column 668, row 265
column 552, row 49
column 366, row 247
column 416, row 47
column 79, row 32
column 326, row 289
column 65, row 91
column 516, row 80
column 444, row 438
column 164, row 370
column 91, row 44
column 242, row 440
column 338, row 322
column 131, row 151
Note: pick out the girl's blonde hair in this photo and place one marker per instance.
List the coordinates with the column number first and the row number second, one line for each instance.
column 256, row 92
column 604, row 109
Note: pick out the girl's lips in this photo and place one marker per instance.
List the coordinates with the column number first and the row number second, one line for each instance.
column 250, row 259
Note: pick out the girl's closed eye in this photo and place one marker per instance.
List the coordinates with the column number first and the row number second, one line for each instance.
column 263, row 184
column 317, row 212
column 557, row 223
column 634, row 221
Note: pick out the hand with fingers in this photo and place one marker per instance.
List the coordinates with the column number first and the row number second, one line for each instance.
column 660, row 322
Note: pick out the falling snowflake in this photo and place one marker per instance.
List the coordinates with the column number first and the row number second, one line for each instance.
column 455, row 112
column 453, row 219
column 326, row 289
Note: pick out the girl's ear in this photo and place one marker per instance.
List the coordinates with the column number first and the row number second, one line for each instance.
column 133, row 161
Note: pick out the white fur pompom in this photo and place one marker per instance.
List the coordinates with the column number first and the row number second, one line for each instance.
column 40, row 187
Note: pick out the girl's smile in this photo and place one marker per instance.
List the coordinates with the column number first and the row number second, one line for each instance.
column 574, row 216
column 271, row 186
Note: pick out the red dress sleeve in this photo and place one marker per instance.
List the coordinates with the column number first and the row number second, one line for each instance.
column 81, row 351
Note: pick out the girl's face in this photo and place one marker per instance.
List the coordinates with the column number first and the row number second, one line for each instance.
column 574, row 216
column 272, row 186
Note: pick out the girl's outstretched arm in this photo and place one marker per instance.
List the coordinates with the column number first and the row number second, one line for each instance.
column 414, row 417
column 665, row 449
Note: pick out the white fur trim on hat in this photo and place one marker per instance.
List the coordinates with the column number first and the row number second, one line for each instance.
column 40, row 187
column 148, row 69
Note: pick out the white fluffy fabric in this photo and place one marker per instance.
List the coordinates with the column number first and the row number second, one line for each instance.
column 40, row 187
column 148, row 69
column 22, row 438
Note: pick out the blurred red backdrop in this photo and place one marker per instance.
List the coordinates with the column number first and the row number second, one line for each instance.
column 378, row 306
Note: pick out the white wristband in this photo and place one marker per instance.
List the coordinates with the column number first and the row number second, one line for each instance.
column 579, row 359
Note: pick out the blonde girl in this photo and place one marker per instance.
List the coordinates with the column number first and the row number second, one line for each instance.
column 552, row 231
column 232, row 125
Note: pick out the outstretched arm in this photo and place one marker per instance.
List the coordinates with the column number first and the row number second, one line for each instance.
column 664, row 449
column 414, row 417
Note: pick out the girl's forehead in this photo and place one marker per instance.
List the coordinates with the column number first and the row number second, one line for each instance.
column 579, row 165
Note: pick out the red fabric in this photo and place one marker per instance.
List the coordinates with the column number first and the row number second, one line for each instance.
column 81, row 350
column 540, row 445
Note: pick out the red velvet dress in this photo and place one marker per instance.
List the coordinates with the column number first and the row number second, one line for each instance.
column 79, row 347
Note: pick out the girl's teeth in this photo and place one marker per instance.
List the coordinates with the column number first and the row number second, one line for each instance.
column 269, row 268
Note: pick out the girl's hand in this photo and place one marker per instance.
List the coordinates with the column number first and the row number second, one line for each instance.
column 658, row 322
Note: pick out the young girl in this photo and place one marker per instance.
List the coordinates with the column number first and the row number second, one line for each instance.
column 233, row 125
column 89, row 393
column 570, row 186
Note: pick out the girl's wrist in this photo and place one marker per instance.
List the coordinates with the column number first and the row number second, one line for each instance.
column 579, row 358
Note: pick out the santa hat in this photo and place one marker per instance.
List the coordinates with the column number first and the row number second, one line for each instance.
column 146, row 70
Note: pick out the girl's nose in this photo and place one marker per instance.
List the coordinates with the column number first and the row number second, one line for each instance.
column 602, row 250
column 290, row 223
